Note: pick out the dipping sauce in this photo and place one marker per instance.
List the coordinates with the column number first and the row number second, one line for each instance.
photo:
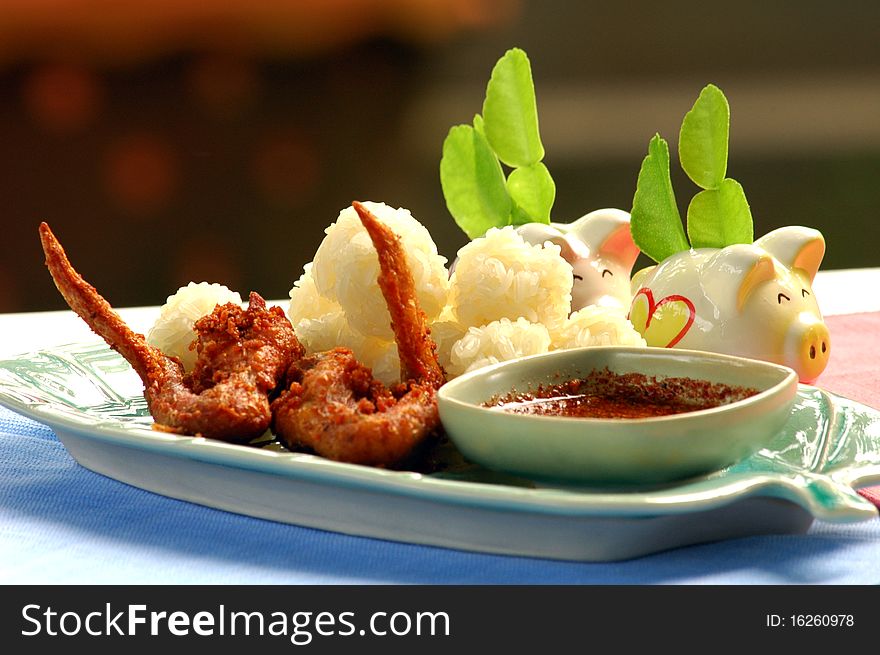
column 603, row 394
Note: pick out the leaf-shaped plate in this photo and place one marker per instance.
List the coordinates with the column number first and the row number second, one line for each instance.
column 92, row 400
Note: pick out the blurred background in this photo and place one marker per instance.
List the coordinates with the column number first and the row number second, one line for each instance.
column 174, row 140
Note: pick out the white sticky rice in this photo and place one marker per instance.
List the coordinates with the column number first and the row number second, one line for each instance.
column 172, row 333
column 597, row 326
column 332, row 330
column 345, row 269
column 496, row 342
column 446, row 333
column 504, row 339
column 306, row 301
column 500, row 276
column 337, row 300
column 505, row 299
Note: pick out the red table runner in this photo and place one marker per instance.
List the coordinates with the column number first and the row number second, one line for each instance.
column 854, row 367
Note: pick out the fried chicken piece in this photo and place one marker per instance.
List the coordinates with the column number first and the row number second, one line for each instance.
column 333, row 405
column 242, row 357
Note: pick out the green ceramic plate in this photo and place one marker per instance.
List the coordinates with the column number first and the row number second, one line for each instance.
column 92, row 400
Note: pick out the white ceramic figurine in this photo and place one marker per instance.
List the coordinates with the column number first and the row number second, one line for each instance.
column 751, row 300
column 600, row 249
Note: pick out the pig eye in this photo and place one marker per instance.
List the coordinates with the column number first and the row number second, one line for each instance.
column 578, row 277
column 607, row 271
column 804, row 293
column 780, row 297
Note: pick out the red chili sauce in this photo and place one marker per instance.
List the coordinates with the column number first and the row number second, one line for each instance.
column 603, row 394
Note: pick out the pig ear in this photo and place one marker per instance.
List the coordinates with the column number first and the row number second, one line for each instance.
column 736, row 271
column 606, row 231
column 761, row 271
column 538, row 234
column 796, row 247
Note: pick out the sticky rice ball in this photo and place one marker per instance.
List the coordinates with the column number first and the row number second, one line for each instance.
column 345, row 269
column 321, row 332
column 495, row 342
column 597, row 326
column 500, row 276
column 172, row 333
column 445, row 333
column 332, row 330
column 379, row 354
column 306, row 301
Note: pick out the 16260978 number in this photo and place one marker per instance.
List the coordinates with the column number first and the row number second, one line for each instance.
column 821, row 620
column 810, row 621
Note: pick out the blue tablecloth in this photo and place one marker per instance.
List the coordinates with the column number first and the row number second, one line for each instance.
column 64, row 524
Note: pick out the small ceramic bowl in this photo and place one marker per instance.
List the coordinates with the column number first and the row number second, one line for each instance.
column 616, row 451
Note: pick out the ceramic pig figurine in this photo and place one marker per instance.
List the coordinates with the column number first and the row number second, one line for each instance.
column 600, row 249
column 748, row 300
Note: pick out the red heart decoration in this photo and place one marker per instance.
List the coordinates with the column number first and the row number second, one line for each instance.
column 653, row 306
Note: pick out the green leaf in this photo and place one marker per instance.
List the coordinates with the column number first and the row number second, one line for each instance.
column 478, row 124
column 510, row 113
column 655, row 222
column 473, row 182
column 720, row 217
column 702, row 142
column 519, row 217
column 533, row 191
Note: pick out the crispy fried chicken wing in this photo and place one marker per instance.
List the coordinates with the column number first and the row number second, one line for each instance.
column 242, row 357
column 335, row 407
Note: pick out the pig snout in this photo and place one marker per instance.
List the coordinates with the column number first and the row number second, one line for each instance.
column 808, row 346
